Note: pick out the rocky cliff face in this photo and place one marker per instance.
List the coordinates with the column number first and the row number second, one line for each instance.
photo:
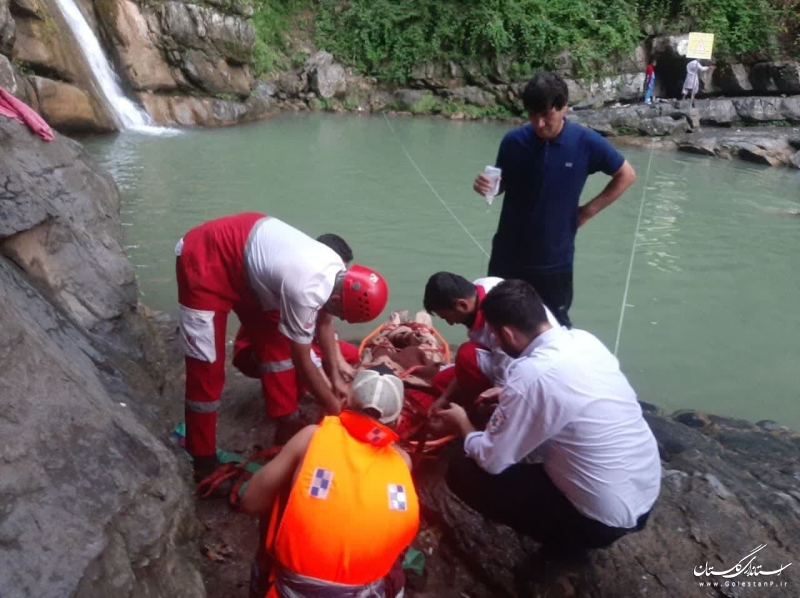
column 186, row 63
column 91, row 502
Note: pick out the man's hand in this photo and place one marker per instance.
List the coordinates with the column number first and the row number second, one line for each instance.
column 491, row 395
column 455, row 419
column 435, row 423
column 482, row 184
column 346, row 370
column 620, row 181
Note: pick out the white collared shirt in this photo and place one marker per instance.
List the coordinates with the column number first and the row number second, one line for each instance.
column 567, row 394
column 493, row 362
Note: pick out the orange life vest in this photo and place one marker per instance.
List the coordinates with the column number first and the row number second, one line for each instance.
column 352, row 509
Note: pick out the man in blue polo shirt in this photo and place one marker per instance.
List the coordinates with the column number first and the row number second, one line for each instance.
column 545, row 165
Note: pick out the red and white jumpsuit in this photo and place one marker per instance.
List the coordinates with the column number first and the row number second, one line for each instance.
column 480, row 363
column 275, row 278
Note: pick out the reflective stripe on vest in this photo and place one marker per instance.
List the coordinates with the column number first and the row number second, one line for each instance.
column 351, row 510
column 202, row 406
column 273, row 367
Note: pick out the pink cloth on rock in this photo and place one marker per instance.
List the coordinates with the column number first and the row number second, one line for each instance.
column 20, row 111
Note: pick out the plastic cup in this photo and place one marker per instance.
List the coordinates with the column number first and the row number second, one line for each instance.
column 494, row 174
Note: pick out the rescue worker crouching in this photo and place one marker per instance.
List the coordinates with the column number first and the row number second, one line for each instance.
column 340, row 499
column 285, row 287
column 480, row 363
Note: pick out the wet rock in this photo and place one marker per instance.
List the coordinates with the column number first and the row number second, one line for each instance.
column 732, row 79
column 794, row 160
column 292, row 83
column 703, row 146
column 8, row 80
column 325, row 77
column 669, row 45
column 205, row 29
column 66, row 107
column 717, row 504
column 92, row 503
column 622, row 88
column 783, row 77
column 204, row 111
column 216, row 75
column 144, row 64
column 769, row 425
column 212, row 49
column 406, row 99
column 437, row 75
column 717, row 112
column 662, row 125
column 7, row 27
column 472, row 95
column 40, row 44
column 379, row 100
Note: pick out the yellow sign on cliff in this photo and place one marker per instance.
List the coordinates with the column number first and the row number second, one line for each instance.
column 700, row 45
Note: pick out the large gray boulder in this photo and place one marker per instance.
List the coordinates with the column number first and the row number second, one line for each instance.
column 325, row 77
column 6, row 27
column 728, row 486
column 771, row 77
column 472, row 95
column 732, row 79
column 213, row 49
column 8, row 79
column 91, row 503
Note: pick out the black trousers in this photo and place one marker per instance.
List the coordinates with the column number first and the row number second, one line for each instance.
column 524, row 498
column 554, row 289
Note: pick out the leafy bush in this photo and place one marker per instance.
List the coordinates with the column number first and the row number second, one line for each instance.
column 389, row 38
column 270, row 19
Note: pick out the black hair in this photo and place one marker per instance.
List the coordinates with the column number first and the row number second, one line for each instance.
column 545, row 91
column 443, row 289
column 514, row 303
column 338, row 244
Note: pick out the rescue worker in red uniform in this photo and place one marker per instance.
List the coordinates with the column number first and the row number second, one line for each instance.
column 480, row 363
column 246, row 361
column 340, row 500
column 284, row 286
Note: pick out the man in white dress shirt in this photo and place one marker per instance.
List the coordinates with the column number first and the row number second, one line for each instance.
column 565, row 393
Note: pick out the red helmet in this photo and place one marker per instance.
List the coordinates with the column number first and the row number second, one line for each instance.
column 364, row 294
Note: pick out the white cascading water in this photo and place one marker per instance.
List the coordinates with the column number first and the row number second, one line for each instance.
column 127, row 114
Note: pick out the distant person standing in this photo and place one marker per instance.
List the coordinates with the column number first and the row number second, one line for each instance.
column 544, row 165
column 691, row 85
column 649, row 80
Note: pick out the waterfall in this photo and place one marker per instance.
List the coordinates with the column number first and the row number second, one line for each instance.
column 127, row 114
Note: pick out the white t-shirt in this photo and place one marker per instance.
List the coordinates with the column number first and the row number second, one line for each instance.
column 494, row 362
column 290, row 272
column 567, row 394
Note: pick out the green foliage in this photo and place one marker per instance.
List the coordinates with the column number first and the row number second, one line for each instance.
column 389, row 39
column 270, row 19
column 739, row 26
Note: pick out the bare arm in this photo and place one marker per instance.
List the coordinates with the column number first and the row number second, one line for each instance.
column 278, row 474
column 619, row 183
column 301, row 358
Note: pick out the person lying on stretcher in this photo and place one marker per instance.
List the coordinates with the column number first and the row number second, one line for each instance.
column 480, row 364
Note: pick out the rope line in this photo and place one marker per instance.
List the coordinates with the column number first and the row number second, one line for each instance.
column 633, row 251
column 439, row 197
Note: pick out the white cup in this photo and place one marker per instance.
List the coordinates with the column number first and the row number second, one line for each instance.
column 494, row 174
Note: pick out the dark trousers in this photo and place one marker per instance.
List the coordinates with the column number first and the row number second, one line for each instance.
column 524, row 498
column 554, row 289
